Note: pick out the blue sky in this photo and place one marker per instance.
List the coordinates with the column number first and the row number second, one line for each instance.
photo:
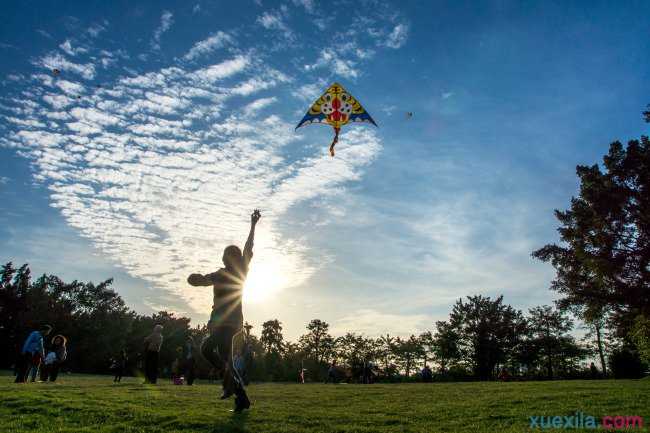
column 170, row 121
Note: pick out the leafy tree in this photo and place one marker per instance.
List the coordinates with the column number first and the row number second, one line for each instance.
column 427, row 343
column 385, row 345
column 604, row 260
column 641, row 337
column 317, row 343
column 446, row 345
column 488, row 332
column 272, row 338
column 548, row 327
column 407, row 351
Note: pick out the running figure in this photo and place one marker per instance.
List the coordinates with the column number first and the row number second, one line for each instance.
column 227, row 320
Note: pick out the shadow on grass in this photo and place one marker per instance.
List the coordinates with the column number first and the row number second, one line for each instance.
column 236, row 423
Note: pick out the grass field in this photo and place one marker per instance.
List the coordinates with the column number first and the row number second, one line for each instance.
column 94, row 404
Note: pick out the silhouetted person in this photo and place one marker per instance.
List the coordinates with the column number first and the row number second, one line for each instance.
column 594, row 371
column 32, row 349
column 332, row 375
column 54, row 359
column 189, row 360
column 427, row 374
column 227, row 319
column 151, row 351
column 120, row 366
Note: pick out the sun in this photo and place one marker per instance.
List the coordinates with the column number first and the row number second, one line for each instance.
column 264, row 279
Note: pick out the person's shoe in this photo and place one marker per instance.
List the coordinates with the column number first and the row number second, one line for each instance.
column 242, row 402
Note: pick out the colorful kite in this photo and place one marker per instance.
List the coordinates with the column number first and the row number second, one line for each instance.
column 336, row 108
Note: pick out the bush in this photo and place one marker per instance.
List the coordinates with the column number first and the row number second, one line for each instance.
column 625, row 363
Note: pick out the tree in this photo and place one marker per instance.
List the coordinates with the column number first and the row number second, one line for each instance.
column 488, row 332
column 548, row 327
column 427, row 343
column 317, row 343
column 407, row 351
column 385, row 350
column 446, row 345
column 640, row 335
column 272, row 338
column 604, row 260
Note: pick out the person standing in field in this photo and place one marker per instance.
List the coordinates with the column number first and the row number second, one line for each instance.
column 54, row 359
column 189, row 361
column 152, row 346
column 32, row 350
column 227, row 320
column 120, row 366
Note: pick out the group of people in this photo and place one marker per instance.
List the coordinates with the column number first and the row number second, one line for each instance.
column 225, row 325
column 34, row 358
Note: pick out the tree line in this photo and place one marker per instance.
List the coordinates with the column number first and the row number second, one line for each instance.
column 602, row 274
column 480, row 339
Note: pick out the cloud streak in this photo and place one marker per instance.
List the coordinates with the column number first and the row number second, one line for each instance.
column 150, row 170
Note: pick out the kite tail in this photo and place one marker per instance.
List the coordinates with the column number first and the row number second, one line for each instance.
column 336, row 140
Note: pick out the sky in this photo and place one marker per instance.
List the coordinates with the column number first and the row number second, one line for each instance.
column 169, row 122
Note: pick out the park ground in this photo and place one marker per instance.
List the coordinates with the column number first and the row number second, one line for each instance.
column 93, row 404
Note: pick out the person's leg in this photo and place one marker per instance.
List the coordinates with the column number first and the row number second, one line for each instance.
column 154, row 367
column 209, row 350
column 34, row 371
column 147, row 367
column 54, row 371
column 189, row 371
column 21, row 367
column 45, row 370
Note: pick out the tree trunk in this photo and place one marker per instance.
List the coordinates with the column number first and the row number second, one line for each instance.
column 599, row 342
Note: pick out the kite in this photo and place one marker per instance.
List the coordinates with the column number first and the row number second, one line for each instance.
column 336, row 108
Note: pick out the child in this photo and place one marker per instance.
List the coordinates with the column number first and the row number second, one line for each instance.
column 54, row 359
column 119, row 366
column 227, row 320
column 177, row 378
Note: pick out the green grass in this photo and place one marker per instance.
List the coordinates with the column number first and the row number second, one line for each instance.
column 93, row 404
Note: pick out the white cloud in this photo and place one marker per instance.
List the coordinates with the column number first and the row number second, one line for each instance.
column 221, row 70
column 307, row 4
column 66, row 46
column 206, row 46
column 275, row 21
column 310, row 92
column 166, row 21
column 397, row 37
column 96, row 29
column 57, row 61
column 329, row 58
column 258, row 104
column 130, row 169
column 374, row 323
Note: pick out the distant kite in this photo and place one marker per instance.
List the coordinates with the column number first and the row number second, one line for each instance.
column 336, row 107
column 55, row 72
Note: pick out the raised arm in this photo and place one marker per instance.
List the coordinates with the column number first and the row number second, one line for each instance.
column 248, row 248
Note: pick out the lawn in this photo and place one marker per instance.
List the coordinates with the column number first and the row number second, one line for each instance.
column 94, row 404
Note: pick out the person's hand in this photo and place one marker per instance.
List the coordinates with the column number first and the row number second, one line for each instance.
column 255, row 216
